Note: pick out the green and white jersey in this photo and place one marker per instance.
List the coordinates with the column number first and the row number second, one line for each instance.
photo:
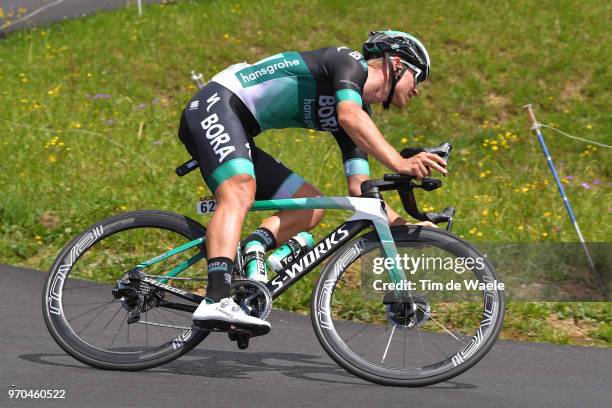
column 298, row 89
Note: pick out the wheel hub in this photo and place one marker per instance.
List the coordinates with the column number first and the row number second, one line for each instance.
column 406, row 311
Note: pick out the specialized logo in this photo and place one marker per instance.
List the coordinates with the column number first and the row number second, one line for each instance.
column 311, row 257
column 215, row 132
column 356, row 55
column 169, row 288
column 194, row 105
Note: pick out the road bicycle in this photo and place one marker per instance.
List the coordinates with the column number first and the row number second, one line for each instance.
column 121, row 294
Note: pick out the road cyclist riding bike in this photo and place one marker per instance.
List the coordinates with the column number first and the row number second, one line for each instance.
column 122, row 294
column 329, row 89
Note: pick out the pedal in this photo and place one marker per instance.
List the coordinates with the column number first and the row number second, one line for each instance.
column 241, row 337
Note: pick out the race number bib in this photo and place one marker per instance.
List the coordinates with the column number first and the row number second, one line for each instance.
column 206, row 206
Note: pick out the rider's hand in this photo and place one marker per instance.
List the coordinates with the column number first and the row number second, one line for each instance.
column 427, row 224
column 421, row 164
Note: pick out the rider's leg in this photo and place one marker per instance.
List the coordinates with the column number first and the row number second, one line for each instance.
column 234, row 199
column 285, row 224
column 217, row 129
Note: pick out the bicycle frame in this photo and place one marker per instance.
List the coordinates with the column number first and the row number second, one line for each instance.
column 367, row 212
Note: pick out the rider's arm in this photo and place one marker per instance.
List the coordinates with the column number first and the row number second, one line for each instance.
column 364, row 132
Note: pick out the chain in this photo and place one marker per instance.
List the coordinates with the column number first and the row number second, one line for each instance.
column 163, row 325
column 172, row 277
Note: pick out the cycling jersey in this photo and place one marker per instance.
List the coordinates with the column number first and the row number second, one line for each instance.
column 287, row 90
column 298, row 89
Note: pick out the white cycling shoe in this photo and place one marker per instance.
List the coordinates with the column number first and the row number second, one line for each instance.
column 226, row 315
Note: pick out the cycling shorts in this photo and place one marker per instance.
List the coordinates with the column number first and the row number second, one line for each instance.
column 217, row 129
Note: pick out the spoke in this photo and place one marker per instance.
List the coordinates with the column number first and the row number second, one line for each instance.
column 86, row 286
column 118, row 330
column 388, row 344
column 436, row 322
column 117, row 263
column 164, row 317
column 422, row 346
column 94, row 318
column 129, row 243
column 83, row 304
column 440, row 350
column 89, row 311
column 112, row 318
column 404, row 355
column 358, row 331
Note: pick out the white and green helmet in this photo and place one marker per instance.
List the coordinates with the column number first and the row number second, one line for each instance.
column 406, row 46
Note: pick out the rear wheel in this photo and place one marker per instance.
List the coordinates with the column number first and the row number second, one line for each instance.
column 415, row 337
column 92, row 324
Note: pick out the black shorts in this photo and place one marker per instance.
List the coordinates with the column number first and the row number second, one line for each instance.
column 218, row 129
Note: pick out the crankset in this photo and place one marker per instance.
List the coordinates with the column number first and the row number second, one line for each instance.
column 256, row 300
column 253, row 297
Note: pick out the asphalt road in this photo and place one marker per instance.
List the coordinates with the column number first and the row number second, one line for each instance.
column 285, row 368
column 38, row 12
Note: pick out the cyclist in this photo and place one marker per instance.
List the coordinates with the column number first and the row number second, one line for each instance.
column 329, row 89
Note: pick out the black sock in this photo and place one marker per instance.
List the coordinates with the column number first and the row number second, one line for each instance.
column 219, row 278
column 262, row 235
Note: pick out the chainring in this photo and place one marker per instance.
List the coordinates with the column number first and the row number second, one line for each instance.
column 253, row 297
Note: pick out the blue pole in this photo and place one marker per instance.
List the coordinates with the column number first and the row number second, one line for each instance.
column 536, row 126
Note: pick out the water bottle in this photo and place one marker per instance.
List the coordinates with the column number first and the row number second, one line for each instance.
column 255, row 262
column 290, row 251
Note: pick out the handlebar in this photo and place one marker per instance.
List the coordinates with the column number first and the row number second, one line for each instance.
column 405, row 186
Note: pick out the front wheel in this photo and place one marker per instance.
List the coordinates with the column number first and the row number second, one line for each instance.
column 420, row 334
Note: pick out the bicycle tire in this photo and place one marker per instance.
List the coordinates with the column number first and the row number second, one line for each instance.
column 56, row 321
column 339, row 351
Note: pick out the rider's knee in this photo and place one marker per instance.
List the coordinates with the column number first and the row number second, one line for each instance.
column 308, row 190
column 238, row 192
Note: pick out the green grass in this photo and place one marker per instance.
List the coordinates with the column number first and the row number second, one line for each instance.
column 90, row 108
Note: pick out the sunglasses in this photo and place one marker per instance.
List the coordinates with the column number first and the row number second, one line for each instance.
column 417, row 72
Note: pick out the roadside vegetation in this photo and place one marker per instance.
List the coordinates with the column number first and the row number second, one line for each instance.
column 89, row 113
